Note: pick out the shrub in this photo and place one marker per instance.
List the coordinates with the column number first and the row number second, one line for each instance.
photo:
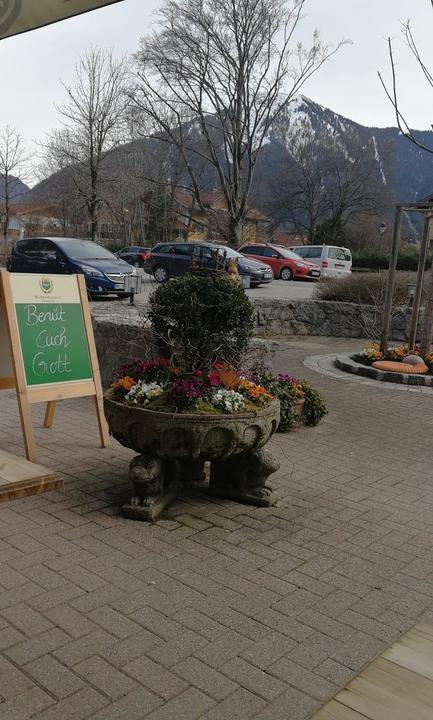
column 314, row 406
column 378, row 260
column 364, row 288
column 201, row 318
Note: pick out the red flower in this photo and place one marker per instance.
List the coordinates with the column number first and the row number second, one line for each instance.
column 198, row 373
column 214, row 378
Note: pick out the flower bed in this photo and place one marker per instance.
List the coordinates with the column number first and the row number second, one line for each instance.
column 397, row 353
column 160, row 385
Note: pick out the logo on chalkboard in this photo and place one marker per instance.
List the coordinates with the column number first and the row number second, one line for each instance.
column 46, row 285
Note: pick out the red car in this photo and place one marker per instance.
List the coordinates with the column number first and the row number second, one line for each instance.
column 285, row 264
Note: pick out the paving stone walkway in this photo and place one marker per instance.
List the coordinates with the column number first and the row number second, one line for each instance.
column 220, row 611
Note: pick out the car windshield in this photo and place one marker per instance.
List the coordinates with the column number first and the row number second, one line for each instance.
column 85, row 250
column 288, row 253
column 230, row 253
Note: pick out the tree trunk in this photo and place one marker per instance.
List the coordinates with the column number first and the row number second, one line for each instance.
column 235, row 233
column 427, row 325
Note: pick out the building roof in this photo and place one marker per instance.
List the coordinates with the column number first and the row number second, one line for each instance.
column 285, row 238
column 215, row 196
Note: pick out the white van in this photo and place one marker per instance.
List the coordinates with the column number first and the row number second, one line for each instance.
column 333, row 261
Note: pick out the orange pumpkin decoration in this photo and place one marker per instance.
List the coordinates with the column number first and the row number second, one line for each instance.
column 405, row 368
column 229, row 378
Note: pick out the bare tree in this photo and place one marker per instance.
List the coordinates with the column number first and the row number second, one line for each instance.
column 391, row 88
column 222, row 71
column 327, row 183
column 93, row 120
column 13, row 163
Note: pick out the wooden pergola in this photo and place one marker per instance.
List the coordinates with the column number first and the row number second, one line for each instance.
column 425, row 207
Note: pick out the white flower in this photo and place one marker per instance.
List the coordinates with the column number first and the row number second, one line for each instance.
column 228, row 400
column 142, row 392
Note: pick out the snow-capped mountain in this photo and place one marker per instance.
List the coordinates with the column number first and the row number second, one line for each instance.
column 405, row 170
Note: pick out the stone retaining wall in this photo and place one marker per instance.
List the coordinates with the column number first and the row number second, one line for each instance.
column 120, row 333
column 315, row 317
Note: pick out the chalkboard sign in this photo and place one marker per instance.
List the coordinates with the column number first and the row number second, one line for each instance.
column 47, row 347
column 51, row 329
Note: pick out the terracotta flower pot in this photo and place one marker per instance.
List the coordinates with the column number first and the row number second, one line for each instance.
column 299, row 407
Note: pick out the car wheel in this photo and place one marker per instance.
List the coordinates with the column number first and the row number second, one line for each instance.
column 160, row 274
column 286, row 274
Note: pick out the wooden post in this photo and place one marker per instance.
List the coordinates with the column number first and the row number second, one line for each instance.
column 386, row 323
column 49, row 414
column 419, row 280
column 18, row 368
column 427, row 325
column 99, row 399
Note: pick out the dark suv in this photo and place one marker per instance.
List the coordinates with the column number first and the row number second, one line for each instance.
column 169, row 260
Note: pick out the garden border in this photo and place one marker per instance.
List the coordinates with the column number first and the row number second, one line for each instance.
column 347, row 364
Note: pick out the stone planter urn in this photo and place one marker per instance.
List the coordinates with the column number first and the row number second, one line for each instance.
column 173, row 448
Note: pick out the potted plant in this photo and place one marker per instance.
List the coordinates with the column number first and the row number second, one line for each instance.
column 299, row 402
column 194, row 405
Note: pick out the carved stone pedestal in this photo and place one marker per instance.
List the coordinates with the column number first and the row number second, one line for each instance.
column 155, row 484
column 243, row 478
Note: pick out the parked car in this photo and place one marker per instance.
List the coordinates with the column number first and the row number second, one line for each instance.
column 103, row 271
column 285, row 264
column 168, row 260
column 333, row 261
column 133, row 255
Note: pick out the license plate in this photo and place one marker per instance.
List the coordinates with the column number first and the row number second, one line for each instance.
column 315, row 273
column 268, row 274
column 119, row 286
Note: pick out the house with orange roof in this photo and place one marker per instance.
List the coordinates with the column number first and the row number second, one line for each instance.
column 193, row 223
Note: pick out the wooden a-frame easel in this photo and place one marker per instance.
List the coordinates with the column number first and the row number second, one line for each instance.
column 15, row 378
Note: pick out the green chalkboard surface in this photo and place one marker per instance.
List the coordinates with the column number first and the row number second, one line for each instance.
column 53, row 342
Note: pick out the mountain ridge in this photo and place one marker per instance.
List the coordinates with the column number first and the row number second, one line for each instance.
column 405, row 169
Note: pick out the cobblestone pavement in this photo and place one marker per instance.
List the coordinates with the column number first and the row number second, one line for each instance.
column 219, row 611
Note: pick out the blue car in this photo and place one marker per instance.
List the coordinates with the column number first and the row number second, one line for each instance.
column 104, row 272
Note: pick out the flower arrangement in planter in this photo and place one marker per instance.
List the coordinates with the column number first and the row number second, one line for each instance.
column 161, row 386
column 299, row 402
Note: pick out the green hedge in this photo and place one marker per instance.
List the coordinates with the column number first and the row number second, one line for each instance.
column 407, row 259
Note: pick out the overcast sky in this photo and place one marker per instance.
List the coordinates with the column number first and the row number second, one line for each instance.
column 32, row 64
